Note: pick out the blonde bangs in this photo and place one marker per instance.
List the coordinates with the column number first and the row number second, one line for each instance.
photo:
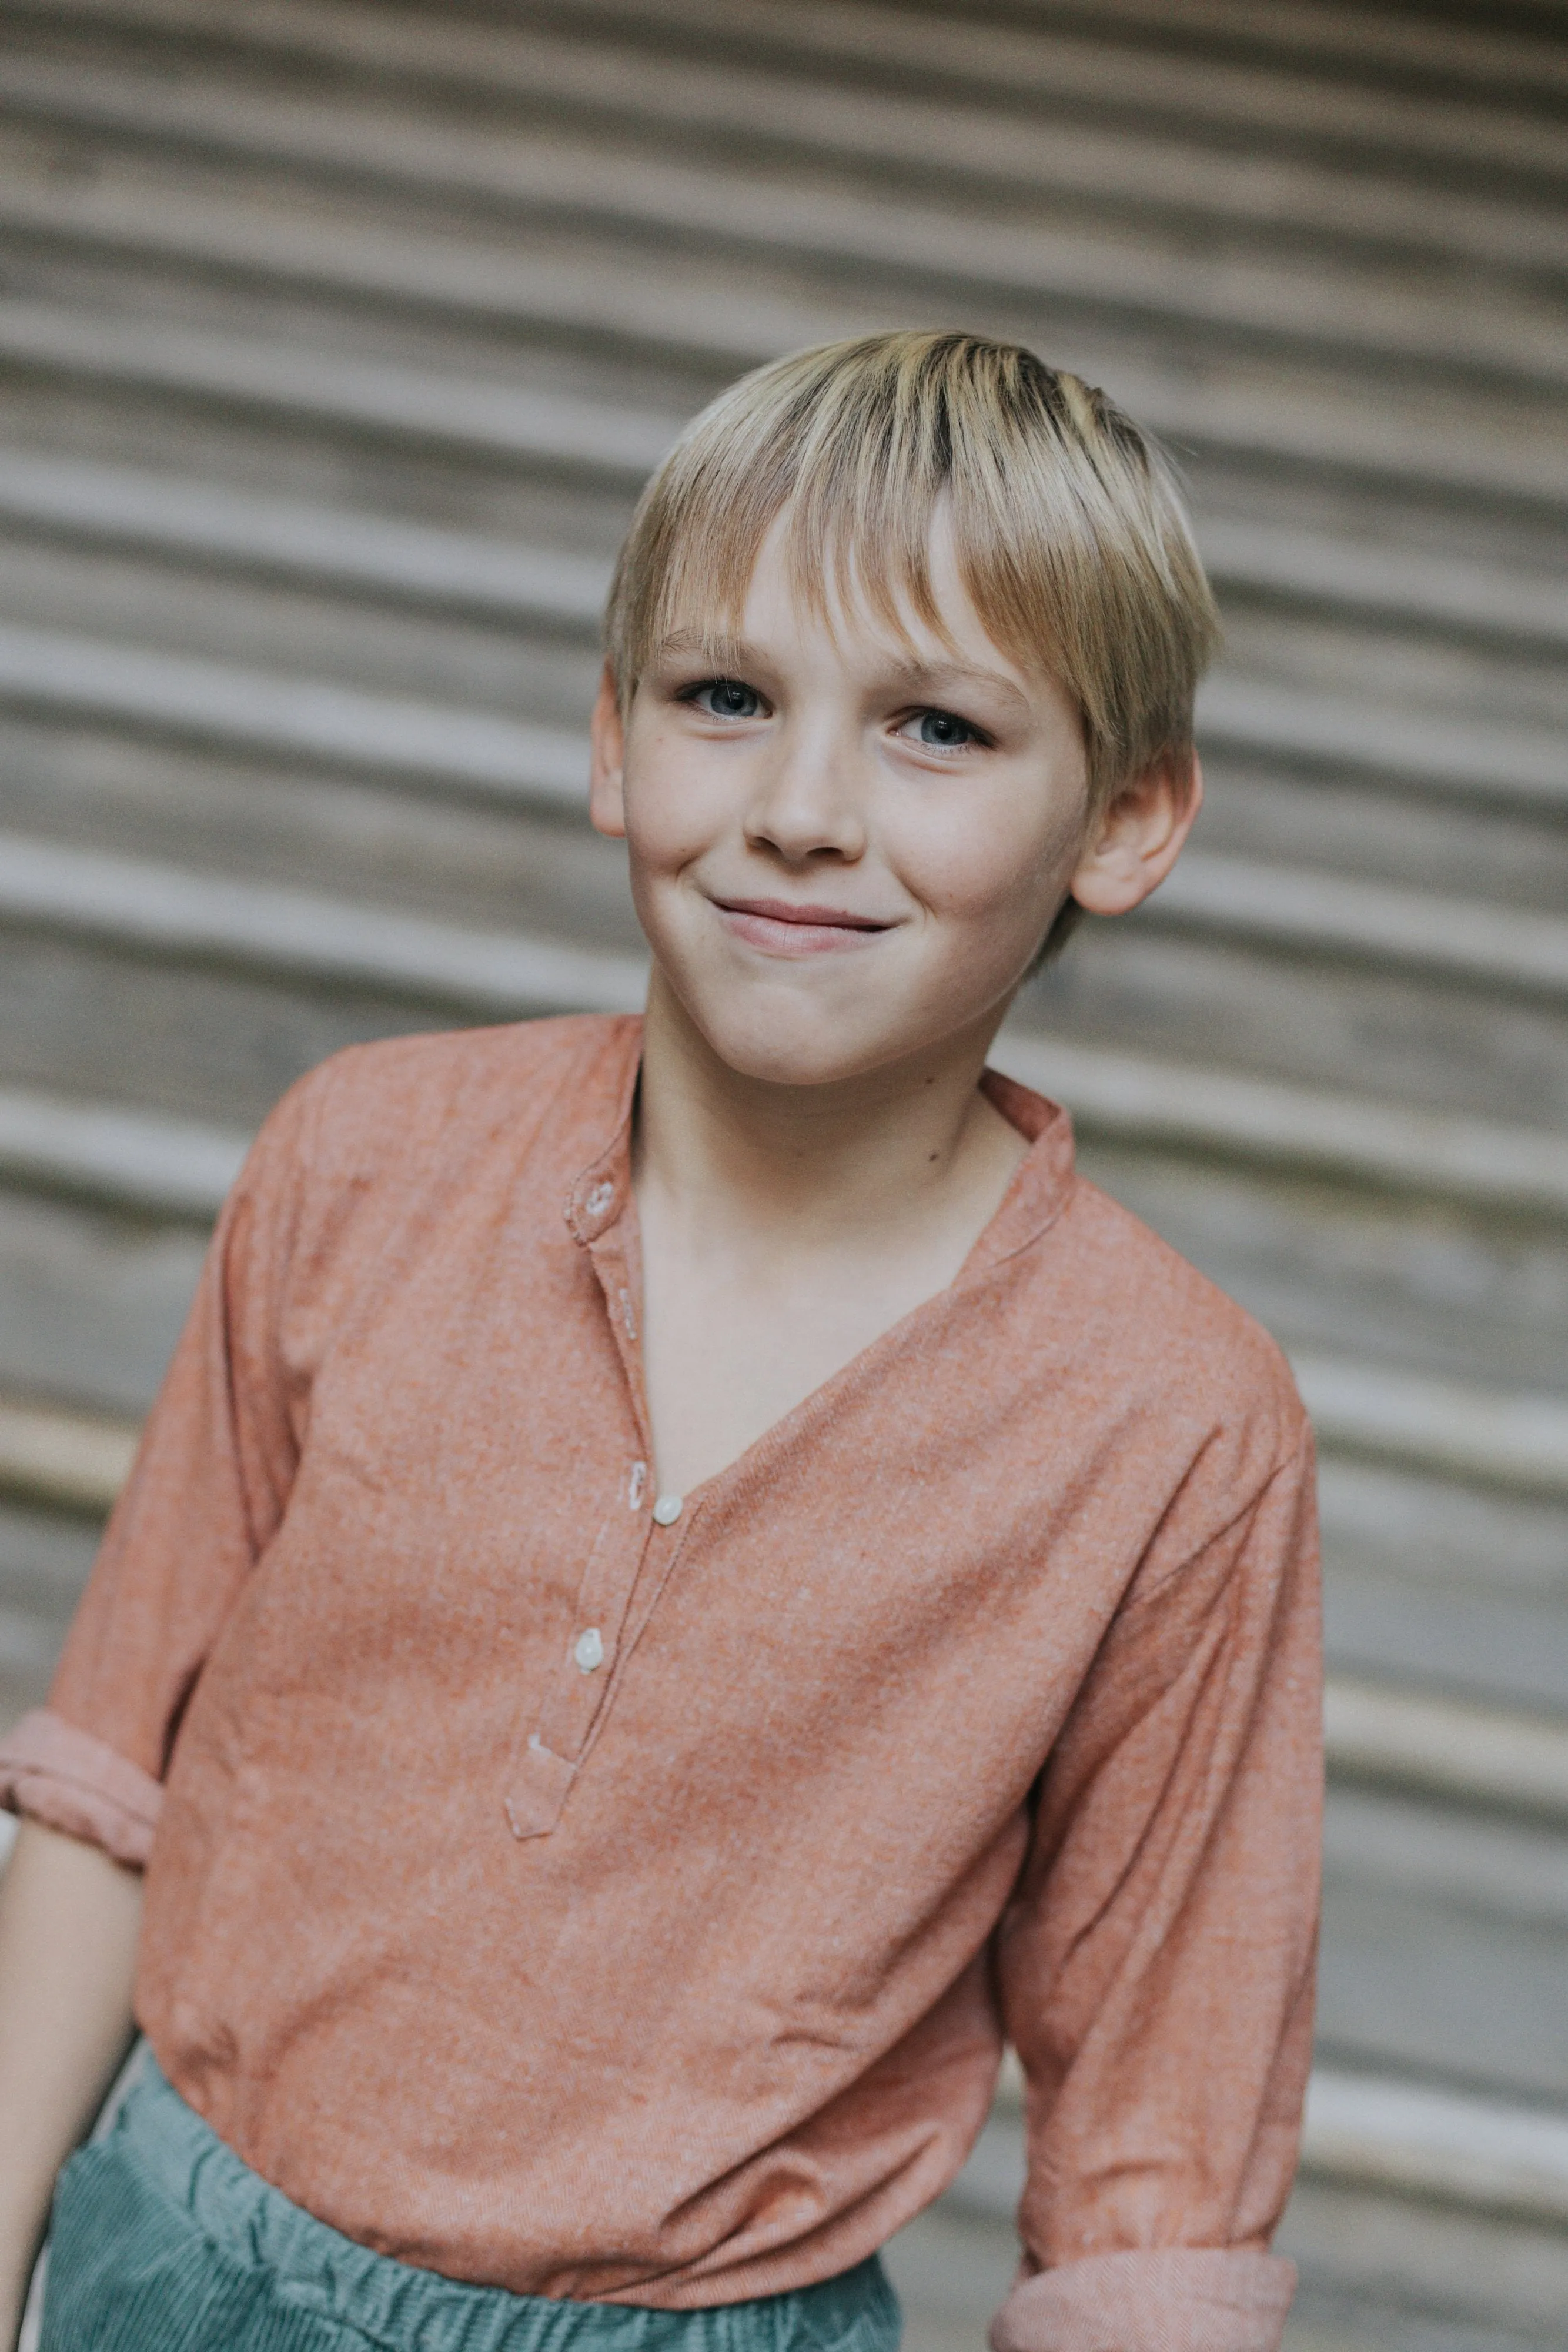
column 1068, row 527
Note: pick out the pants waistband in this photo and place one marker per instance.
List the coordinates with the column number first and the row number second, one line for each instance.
column 394, row 2305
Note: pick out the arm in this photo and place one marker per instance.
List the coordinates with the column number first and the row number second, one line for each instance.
column 1156, row 1967
column 69, row 1921
column 210, row 1483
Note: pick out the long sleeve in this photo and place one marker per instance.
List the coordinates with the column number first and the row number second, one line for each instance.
column 209, row 1485
column 1155, row 1965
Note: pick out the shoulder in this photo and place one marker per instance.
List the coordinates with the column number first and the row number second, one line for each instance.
column 387, row 1131
column 1201, row 1445
column 381, row 1108
column 1178, row 1357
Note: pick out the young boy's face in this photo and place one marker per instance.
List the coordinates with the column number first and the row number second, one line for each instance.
column 845, row 850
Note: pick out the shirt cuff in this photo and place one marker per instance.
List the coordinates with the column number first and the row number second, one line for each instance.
column 71, row 1781
column 1167, row 2299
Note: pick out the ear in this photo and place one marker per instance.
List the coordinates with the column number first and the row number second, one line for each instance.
column 1137, row 840
column 607, row 745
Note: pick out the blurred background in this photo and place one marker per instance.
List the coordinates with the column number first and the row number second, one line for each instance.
column 334, row 341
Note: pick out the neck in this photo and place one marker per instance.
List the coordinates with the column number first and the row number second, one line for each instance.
column 860, row 1155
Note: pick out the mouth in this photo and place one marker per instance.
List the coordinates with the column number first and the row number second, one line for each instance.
column 786, row 927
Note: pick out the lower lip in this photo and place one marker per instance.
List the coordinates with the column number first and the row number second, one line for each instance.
column 778, row 938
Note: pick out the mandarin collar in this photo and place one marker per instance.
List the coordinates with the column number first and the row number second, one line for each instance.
column 601, row 1192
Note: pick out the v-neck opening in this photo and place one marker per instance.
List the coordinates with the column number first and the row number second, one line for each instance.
column 1034, row 1198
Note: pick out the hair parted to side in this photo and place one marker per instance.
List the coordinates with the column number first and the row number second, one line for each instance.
column 1071, row 534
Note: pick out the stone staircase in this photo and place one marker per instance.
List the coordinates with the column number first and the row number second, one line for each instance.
column 335, row 339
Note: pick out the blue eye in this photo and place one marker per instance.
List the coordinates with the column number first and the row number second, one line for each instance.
column 725, row 698
column 944, row 731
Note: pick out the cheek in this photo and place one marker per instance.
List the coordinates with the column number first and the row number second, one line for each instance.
column 673, row 808
column 983, row 864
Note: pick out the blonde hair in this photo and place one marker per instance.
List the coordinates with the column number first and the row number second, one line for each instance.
column 1070, row 532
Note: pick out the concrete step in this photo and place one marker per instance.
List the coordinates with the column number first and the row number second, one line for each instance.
column 1273, row 78
column 91, row 1302
column 1307, row 1017
column 330, row 724
column 1125, row 1099
column 72, row 1461
column 1484, row 1757
column 1384, row 2273
column 1389, row 584
column 1239, row 414
column 1011, row 65
column 1461, row 54
column 1518, row 765
column 537, row 677
column 202, row 918
column 952, row 147
column 137, row 1161
column 1371, row 317
column 1244, row 898
column 341, row 389
column 1443, row 1585
column 1442, row 1993
column 1402, row 1283
column 321, row 548
column 476, row 861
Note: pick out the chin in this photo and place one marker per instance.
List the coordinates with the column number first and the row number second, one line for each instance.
column 798, row 1049
column 780, row 1061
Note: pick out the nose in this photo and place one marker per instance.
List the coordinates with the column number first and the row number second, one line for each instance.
column 807, row 803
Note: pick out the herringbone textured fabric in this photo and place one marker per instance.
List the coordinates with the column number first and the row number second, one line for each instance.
column 675, row 1969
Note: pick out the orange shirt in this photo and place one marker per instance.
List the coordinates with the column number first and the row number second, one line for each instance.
column 591, row 1897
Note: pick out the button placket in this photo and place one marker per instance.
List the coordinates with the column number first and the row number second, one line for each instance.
column 582, row 1684
column 582, row 1679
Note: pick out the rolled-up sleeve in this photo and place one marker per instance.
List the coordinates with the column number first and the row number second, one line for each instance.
column 75, row 1782
column 208, row 1487
column 1156, row 1967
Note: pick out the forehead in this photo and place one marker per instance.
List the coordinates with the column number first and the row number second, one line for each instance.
column 845, row 602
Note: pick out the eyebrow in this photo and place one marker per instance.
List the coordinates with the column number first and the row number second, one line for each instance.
column 933, row 676
column 735, row 655
column 725, row 653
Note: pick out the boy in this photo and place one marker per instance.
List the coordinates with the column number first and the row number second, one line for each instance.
column 687, row 1577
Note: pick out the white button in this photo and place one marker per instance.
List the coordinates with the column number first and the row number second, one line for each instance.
column 599, row 1199
column 589, row 1650
column 668, row 1510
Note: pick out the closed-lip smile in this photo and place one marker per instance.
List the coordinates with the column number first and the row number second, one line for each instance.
column 795, row 927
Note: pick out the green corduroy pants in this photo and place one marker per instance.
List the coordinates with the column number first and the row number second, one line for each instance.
column 163, row 2241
